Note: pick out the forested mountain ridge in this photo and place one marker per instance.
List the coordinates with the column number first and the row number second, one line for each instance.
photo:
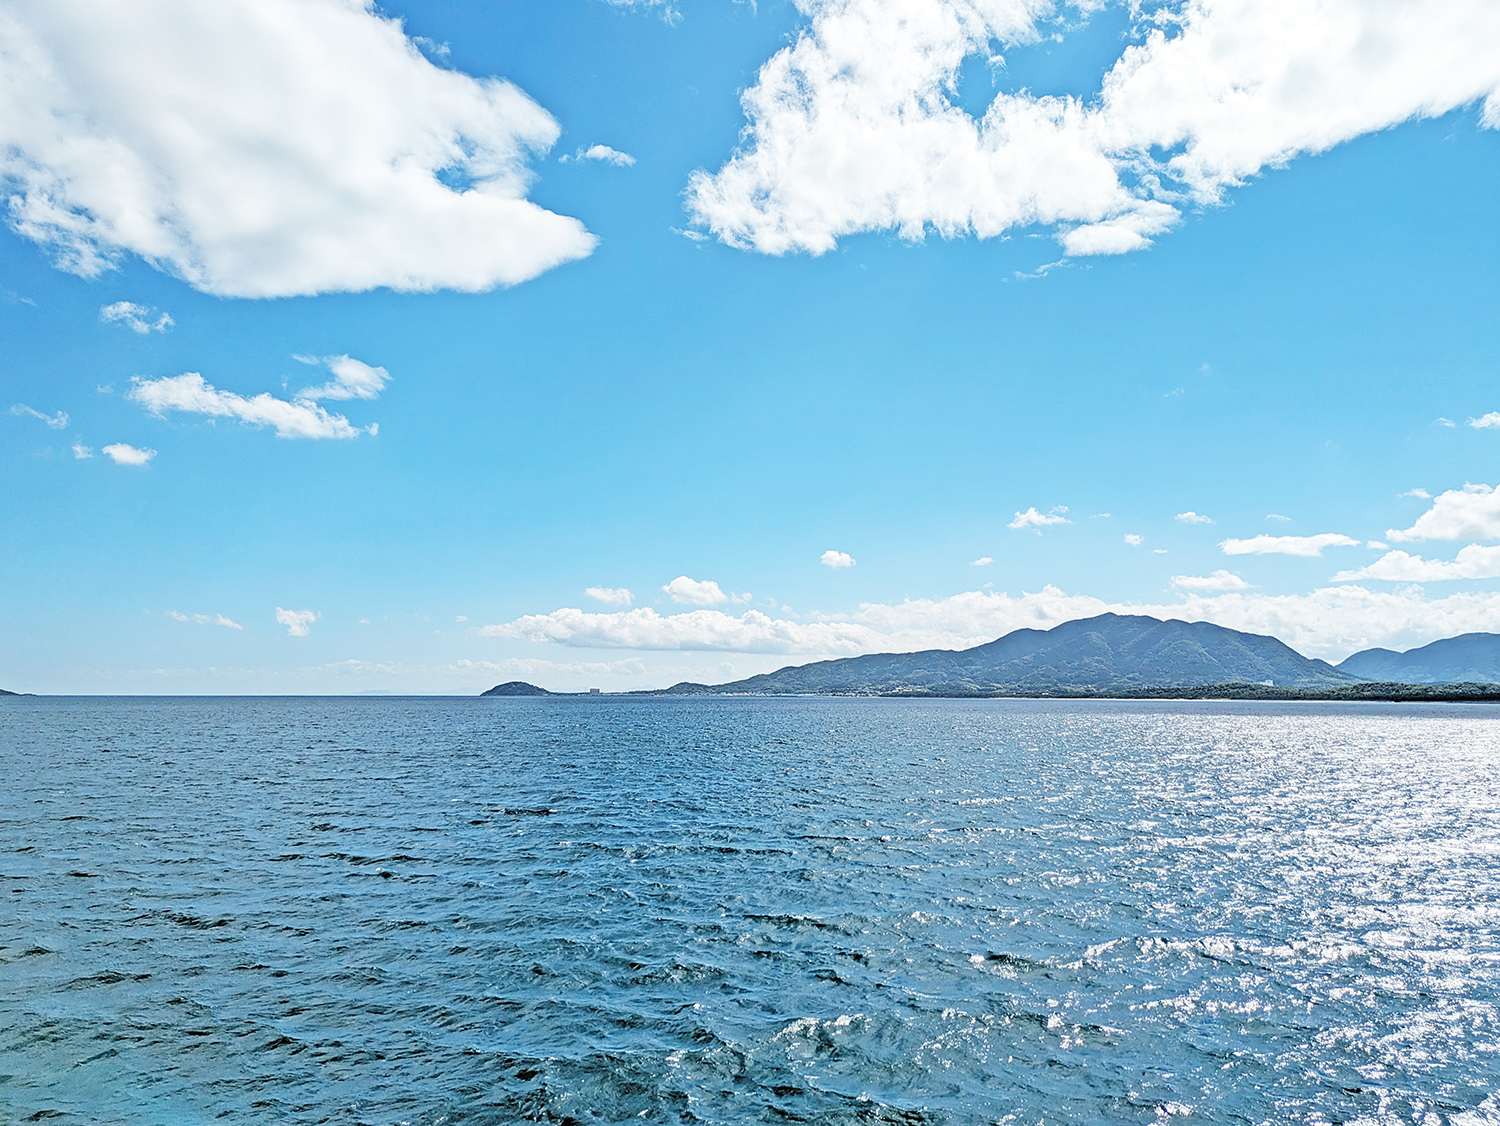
column 1110, row 652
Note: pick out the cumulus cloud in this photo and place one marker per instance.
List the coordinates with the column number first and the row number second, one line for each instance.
column 58, row 421
column 691, row 592
column 1192, row 518
column 836, row 559
column 351, row 380
column 1134, row 540
column 1330, row 622
column 192, row 394
column 1031, row 518
column 274, row 147
column 1334, row 621
column 204, row 619
column 1218, row 581
column 1473, row 562
column 602, row 153
column 1287, row 545
column 82, row 452
column 122, row 454
column 644, row 628
column 610, row 596
column 1469, row 513
column 1278, row 517
column 1489, row 421
column 137, row 318
column 982, row 561
column 298, row 622
column 855, row 127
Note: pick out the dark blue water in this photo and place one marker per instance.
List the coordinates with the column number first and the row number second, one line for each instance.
column 494, row 911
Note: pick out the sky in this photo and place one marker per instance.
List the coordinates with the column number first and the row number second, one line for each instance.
column 417, row 347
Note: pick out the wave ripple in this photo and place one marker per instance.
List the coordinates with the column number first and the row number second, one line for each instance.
column 724, row 911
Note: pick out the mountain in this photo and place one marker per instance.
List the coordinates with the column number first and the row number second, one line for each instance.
column 517, row 688
column 1469, row 656
column 1109, row 653
column 3, row 692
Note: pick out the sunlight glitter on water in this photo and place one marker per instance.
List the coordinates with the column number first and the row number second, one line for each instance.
column 749, row 910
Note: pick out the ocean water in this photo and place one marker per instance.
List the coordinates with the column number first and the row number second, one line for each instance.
column 612, row 910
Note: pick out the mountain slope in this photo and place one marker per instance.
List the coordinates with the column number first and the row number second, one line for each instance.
column 516, row 688
column 1111, row 652
column 1467, row 657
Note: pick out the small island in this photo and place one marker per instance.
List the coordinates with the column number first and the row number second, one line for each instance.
column 517, row 688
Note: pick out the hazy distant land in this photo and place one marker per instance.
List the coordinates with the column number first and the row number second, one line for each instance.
column 1127, row 657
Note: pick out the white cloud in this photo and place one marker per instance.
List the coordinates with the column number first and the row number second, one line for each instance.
column 602, row 153
column 1420, row 494
column 982, row 561
column 644, row 628
column 351, row 380
column 1031, row 518
column 1287, row 545
column 691, row 592
column 204, row 619
column 854, row 127
column 279, row 147
column 1489, row 421
column 58, row 421
column 1330, row 622
column 1279, row 517
column 82, row 452
column 669, row 11
column 529, row 667
column 1134, row 540
column 1333, row 622
column 137, row 318
column 1192, row 518
column 122, row 454
column 1470, row 513
column 1219, row 580
column 456, row 618
column 298, row 622
column 189, row 392
column 836, row 559
column 611, row 596
column 1376, row 545
column 1473, row 562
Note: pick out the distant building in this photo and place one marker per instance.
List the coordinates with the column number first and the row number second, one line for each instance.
column 594, row 691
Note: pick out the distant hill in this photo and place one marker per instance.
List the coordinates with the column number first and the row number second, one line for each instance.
column 3, row 692
column 517, row 688
column 1467, row 657
column 1101, row 655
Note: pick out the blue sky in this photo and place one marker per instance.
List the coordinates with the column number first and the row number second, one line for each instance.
column 1233, row 362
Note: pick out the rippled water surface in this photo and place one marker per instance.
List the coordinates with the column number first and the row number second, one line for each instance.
column 490, row 911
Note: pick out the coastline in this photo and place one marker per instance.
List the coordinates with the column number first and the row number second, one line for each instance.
column 1389, row 692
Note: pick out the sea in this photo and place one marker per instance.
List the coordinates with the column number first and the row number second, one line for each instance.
column 607, row 910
